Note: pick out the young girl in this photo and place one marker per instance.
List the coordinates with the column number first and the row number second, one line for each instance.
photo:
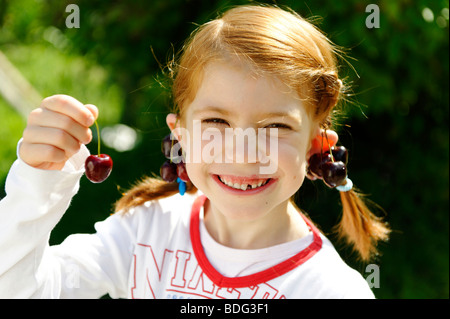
column 236, row 233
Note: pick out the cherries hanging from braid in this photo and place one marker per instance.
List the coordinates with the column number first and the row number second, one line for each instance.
column 174, row 168
column 358, row 226
column 330, row 166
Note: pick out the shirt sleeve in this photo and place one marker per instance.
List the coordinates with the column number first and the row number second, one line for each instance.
column 81, row 266
column 90, row 265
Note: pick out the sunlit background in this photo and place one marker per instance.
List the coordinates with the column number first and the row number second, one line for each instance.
column 396, row 125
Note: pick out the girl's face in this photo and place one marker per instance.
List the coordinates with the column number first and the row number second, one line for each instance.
column 231, row 98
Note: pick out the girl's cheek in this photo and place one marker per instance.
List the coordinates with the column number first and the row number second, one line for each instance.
column 292, row 160
column 295, row 151
column 193, row 171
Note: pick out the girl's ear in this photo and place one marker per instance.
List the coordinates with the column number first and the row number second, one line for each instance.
column 173, row 123
column 322, row 141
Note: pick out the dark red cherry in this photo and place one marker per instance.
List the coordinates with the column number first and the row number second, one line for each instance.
column 171, row 149
column 166, row 145
column 181, row 172
column 334, row 173
column 168, row 171
column 98, row 167
column 340, row 153
column 316, row 162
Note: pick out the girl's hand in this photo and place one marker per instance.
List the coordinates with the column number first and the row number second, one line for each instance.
column 55, row 131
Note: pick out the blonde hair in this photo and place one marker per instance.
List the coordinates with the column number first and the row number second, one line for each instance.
column 278, row 43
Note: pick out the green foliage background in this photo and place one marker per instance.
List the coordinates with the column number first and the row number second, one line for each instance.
column 396, row 123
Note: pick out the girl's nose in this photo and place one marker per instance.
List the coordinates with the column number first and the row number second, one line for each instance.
column 241, row 146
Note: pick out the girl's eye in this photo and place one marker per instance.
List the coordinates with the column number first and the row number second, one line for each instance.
column 278, row 125
column 214, row 121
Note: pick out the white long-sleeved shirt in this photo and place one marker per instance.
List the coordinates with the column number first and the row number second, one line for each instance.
column 158, row 250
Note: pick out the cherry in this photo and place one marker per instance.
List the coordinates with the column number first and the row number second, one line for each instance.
column 316, row 162
column 181, row 172
column 169, row 147
column 334, row 173
column 168, row 171
column 329, row 166
column 174, row 167
column 340, row 153
column 98, row 167
column 166, row 145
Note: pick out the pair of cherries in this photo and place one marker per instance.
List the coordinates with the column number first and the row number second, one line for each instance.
column 330, row 166
column 173, row 167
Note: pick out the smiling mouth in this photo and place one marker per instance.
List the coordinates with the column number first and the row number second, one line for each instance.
column 243, row 183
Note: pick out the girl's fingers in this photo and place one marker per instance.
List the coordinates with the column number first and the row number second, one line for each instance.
column 56, row 130
column 42, row 156
column 70, row 106
column 93, row 109
column 52, row 136
column 43, row 117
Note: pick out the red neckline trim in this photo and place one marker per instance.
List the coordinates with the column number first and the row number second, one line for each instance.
column 254, row 279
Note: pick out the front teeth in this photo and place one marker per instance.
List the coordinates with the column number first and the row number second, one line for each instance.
column 243, row 186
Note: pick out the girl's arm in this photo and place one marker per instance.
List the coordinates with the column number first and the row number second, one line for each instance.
column 39, row 188
column 35, row 201
column 83, row 266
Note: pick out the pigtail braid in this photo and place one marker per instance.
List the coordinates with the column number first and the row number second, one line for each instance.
column 360, row 227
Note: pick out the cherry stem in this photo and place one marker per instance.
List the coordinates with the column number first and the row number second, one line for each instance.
column 98, row 136
column 329, row 147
